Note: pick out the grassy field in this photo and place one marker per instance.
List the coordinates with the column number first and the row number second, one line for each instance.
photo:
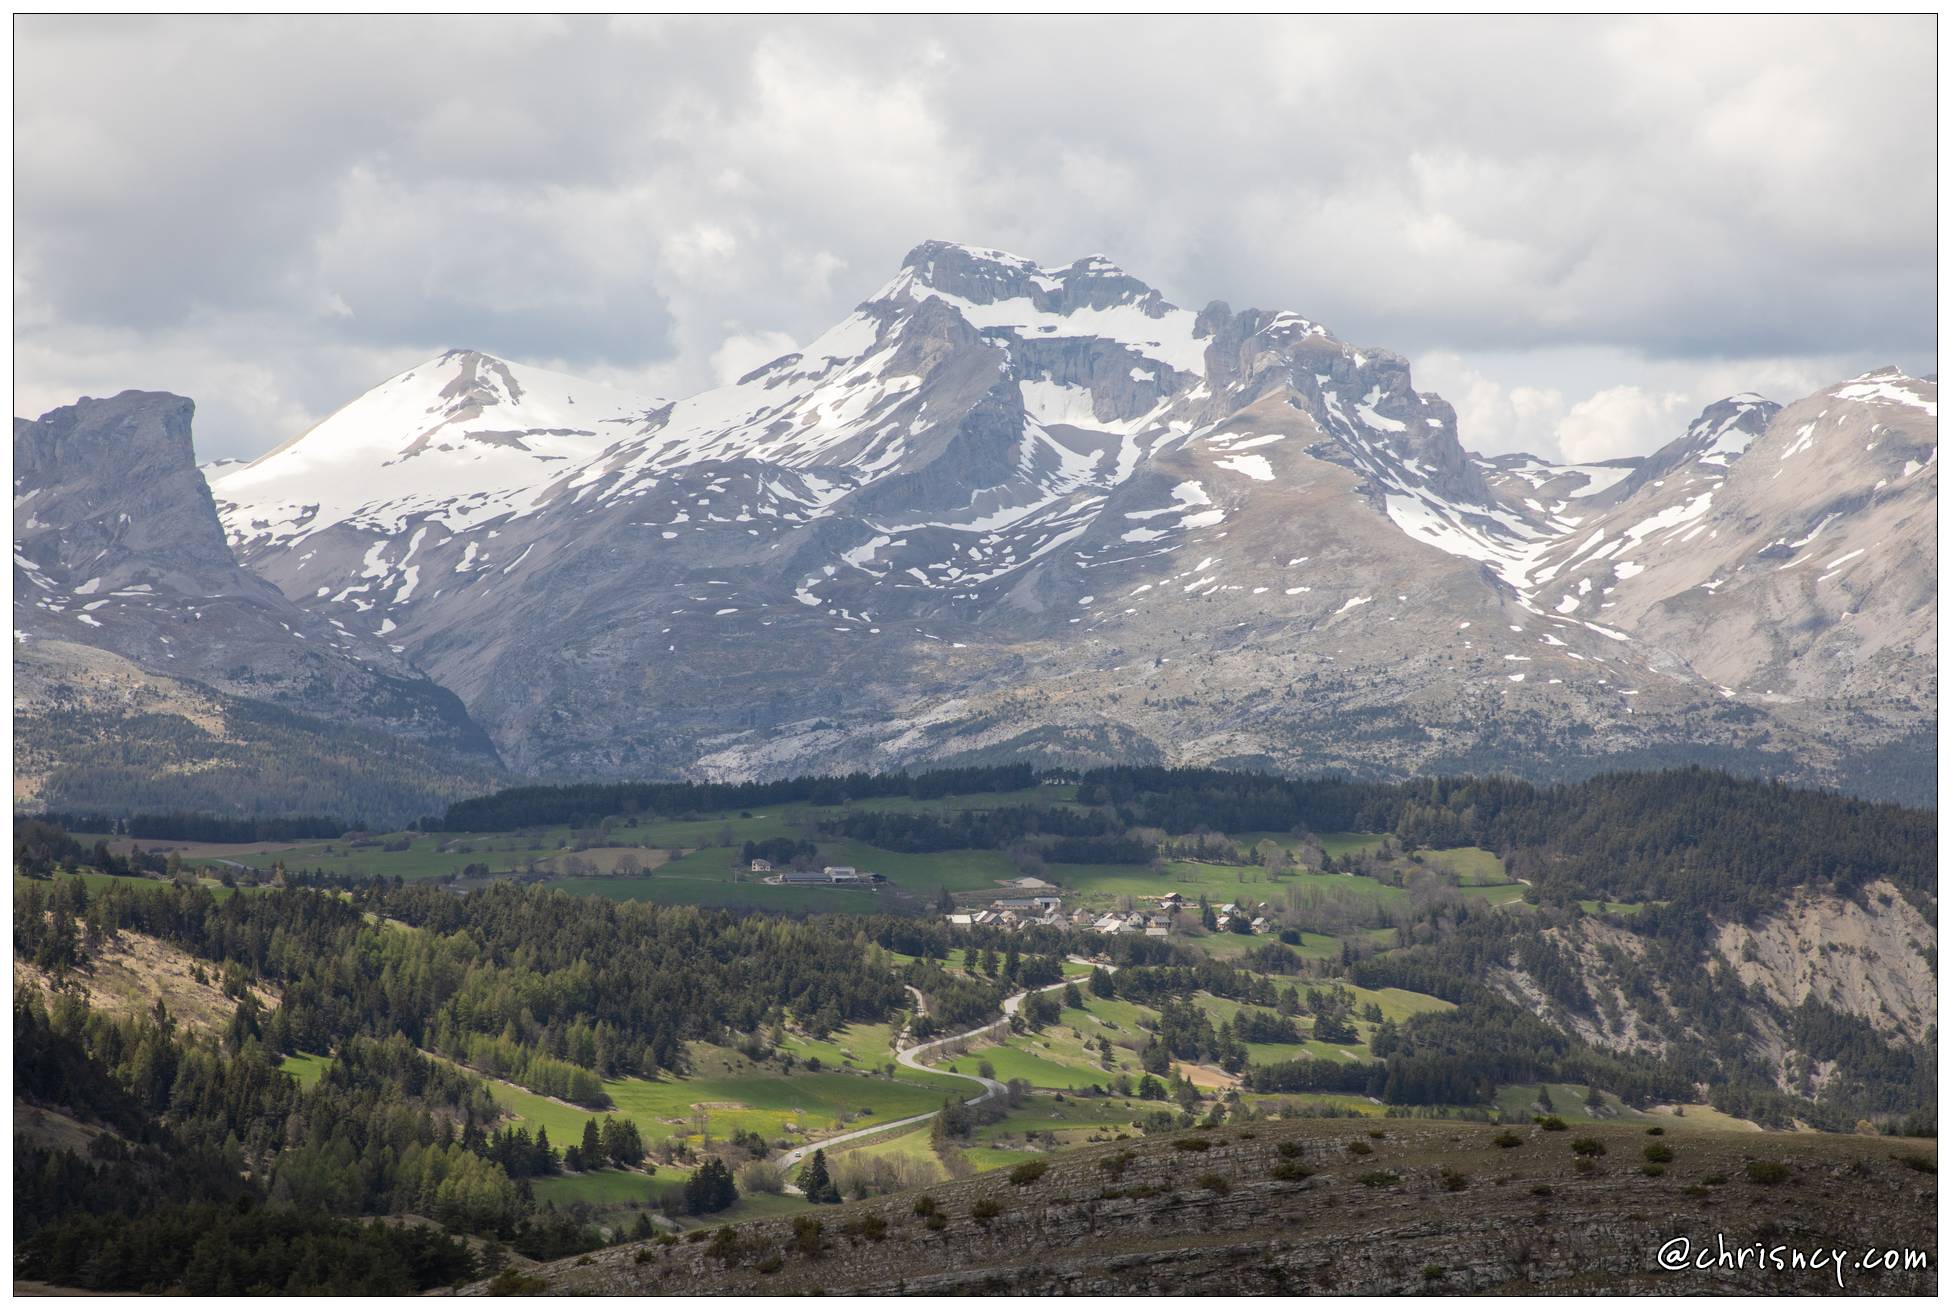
column 1613, row 907
column 1705, row 1119
column 604, row 1187
column 1338, row 1102
column 306, row 1068
column 1519, row 1104
column 730, row 1093
column 1065, row 1056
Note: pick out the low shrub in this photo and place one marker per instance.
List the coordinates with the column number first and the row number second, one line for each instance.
column 808, row 1237
column 513, row 1282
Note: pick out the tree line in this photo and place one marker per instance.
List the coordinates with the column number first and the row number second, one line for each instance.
column 589, row 803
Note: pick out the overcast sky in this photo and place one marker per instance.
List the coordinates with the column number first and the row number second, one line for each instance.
column 1578, row 230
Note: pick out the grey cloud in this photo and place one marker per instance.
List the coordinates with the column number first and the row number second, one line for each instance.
column 625, row 197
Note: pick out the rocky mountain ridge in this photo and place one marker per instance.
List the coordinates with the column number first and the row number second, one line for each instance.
column 1008, row 509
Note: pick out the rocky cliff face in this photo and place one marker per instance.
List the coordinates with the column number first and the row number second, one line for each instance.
column 1870, row 959
column 117, row 547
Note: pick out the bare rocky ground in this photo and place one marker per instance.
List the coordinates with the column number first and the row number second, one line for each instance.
column 1331, row 1207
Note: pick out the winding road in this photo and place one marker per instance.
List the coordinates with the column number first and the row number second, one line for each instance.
column 912, row 1057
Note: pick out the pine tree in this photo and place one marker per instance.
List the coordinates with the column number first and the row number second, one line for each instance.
column 710, row 1188
column 592, row 1149
column 816, row 1183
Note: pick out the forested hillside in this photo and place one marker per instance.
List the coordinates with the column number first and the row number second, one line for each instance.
column 377, row 1034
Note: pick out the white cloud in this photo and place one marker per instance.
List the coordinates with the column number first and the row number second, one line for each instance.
column 745, row 351
column 1620, row 421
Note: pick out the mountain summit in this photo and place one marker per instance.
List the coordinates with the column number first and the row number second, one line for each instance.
column 462, row 432
column 1010, row 508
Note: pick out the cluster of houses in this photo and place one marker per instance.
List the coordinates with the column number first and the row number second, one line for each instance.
column 1037, row 903
column 1229, row 917
column 1048, row 912
column 833, row 875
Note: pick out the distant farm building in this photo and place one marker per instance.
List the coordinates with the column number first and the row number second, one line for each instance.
column 834, row 875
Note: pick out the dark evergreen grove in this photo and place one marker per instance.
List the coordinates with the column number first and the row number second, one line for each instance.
column 523, row 807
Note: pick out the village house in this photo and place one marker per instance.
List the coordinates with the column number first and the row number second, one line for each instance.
column 762, row 866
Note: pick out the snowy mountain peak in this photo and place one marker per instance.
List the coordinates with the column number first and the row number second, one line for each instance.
column 1728, row 427
column 1890, row 386
column 986, row 277
column 460, row 432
